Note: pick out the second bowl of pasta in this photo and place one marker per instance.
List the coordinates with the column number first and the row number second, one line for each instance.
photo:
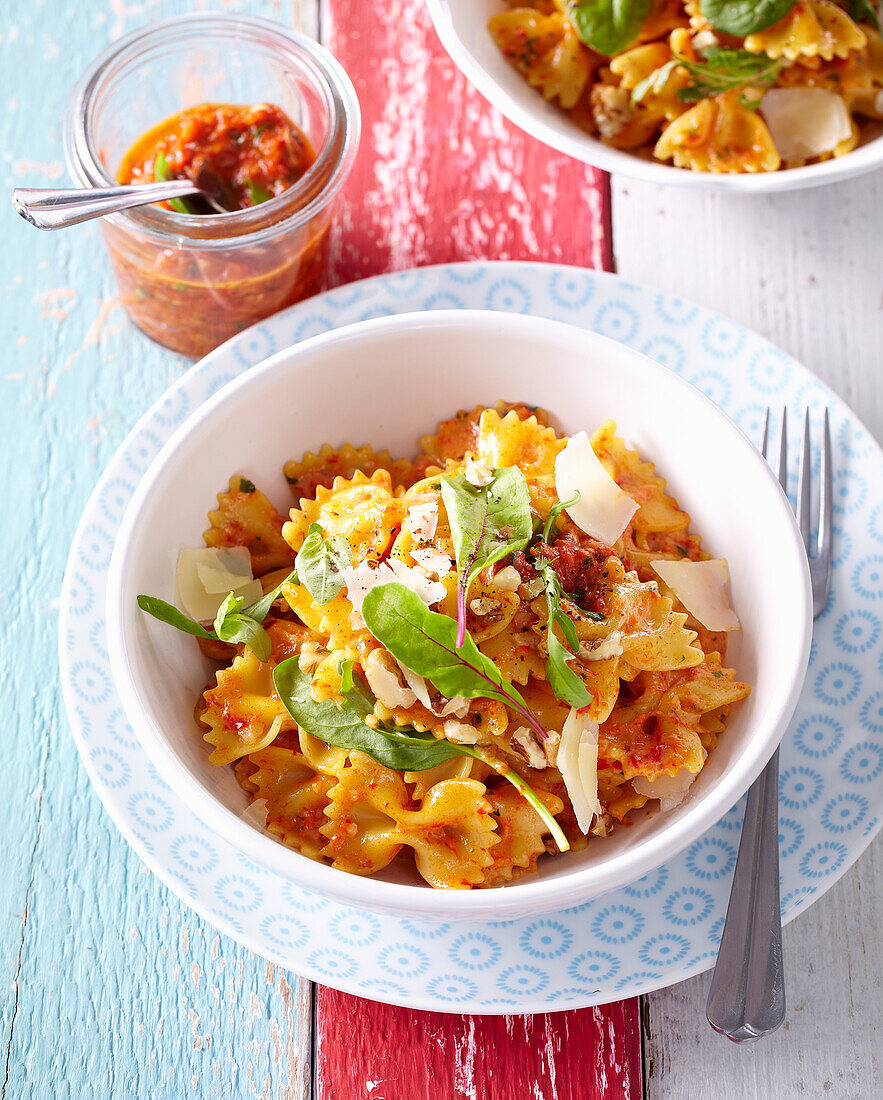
column 459, row 600
column 695, row 93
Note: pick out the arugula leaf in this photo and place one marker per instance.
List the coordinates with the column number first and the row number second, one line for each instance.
column 486, row 523
column 863, row 11
column 232, row 626
column 167, row 613
column 608, row 26
column 719, row 72
column 320, row 564
column 563, row 681
column 426, row 643
column 556, row 511
column 246, row 486
column 257, row 193
column 741, row 17
column 164, row 173
column 344, row 726
column 259, row 611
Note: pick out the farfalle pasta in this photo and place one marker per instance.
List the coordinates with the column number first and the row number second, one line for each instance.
column 450, row 668
column 705, row 85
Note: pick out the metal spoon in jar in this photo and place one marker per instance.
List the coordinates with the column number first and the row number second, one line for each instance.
column 54, row 208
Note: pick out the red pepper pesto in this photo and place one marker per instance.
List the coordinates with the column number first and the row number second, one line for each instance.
column 251, row 153
column 196, row 291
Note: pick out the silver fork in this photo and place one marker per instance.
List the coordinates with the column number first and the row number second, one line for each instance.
column 747, row 995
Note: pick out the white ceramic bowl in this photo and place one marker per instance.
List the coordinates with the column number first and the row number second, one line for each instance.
column 386, row 382
column 462, row 27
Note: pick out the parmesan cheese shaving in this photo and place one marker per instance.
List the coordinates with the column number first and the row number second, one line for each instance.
column 805, row 122
column 432, row 560
column 577, row 761
column 671, row 790
column 701, row 586
column 204, row 577
column 360, row 579
column 458, row 705
column 422, row 520
column 507, row 579
column 603, row 509
column 255, row 813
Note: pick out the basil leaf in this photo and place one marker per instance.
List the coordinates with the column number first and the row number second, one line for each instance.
column 741, row 17
column 320, row 564
column 257, row 193
column 344, row 727
column 167, row 613
column 232, row 625
column 259, row 611
column 608, row 26
column 163, row 173
column 863, row 11
column 486, row 524
column 426, row 643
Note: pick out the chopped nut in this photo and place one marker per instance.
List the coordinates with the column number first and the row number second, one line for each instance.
column 478, row 472
column 525, row 742
column 311, row 654
column 507, row 579
column 482, row 606
column 385, row 679
column 611, row 109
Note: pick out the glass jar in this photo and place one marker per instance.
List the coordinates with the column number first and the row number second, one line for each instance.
column 192, row 281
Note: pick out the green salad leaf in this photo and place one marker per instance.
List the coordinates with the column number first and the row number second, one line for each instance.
column 344, row 726
column 720, row 71
column 233, row 623
column 487, row 523
column 608, row 26
column 864, row 11
column 426, row 643
column 167, row 613
column 320, row 564
column 257, row 194
column 741, row 17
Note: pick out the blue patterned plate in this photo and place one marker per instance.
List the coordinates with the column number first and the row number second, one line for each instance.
column 663, row 928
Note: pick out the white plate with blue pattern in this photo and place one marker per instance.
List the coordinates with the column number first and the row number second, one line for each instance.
column 661, row 929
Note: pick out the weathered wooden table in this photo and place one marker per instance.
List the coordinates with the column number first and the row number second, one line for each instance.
column 112, row 987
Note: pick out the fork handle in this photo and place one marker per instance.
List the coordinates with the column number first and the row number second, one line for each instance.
column 747, row 995
column 57, row 208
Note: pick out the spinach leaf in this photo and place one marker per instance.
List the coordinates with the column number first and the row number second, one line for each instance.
column 344, row 726
column 608, row 26
column 164, row 173
column 863, row 11
column 486, row 524
column 426, row 643
column 741, row 17
column 347, row 683
column 167, row 613
column 232, row 626
column 320, row 564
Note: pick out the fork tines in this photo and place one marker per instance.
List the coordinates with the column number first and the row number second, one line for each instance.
column 820, row 555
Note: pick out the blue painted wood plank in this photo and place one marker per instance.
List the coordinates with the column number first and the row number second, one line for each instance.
column 110, row 986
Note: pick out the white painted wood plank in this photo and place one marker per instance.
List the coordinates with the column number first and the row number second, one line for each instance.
column 805, row 270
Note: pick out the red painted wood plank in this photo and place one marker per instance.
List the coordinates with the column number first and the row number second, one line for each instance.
column 370, row 1051
column 441, row 176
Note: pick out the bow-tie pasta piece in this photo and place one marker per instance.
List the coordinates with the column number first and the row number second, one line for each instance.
column 312, row 470
column 812, row 28
column 521, row 835
column 246, row 517
column 637, row 64
column 296, row 795
column 546, row 50
column 719, row 135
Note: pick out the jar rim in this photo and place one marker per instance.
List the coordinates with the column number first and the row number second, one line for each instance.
column 296, row 205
